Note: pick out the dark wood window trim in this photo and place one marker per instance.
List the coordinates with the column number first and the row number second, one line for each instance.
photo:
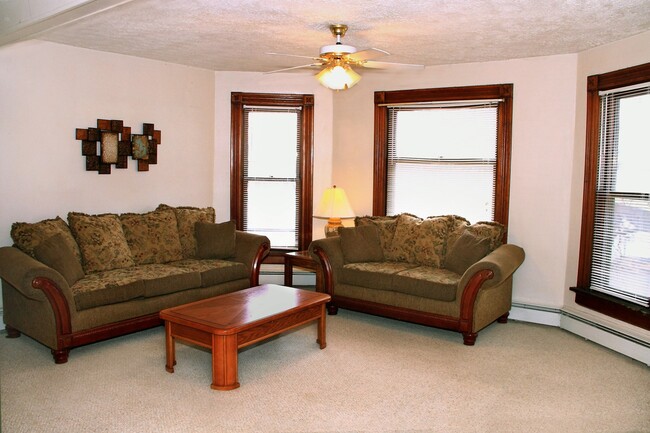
column 504, row 136
column 238, row 101
column 605, row 304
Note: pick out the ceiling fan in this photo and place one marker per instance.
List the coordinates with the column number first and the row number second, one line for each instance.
column 337, row 61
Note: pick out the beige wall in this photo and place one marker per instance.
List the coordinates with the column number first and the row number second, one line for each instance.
column 47, row 90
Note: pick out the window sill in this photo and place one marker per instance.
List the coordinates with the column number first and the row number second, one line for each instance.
column 628, row 312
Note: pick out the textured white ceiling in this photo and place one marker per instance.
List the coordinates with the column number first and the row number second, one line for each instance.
column 235, row 34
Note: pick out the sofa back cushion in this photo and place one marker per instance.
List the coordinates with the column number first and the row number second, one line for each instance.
column 467, row 250
column 152, row 237
column 215, row 241
column 56, row 253
column 27, row 236
column 101, row 241
column 361, row 244
column 186, row 218
column 419, row 241
column 385, row 225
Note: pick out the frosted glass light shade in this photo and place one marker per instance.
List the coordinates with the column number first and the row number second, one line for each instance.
column 338, row 77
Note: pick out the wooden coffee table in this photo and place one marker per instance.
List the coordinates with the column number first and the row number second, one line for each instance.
column 228, row 322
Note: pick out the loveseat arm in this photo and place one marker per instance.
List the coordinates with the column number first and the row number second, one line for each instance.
column 251, row 249
column 23, row 272
column 328, row 253
column 502, row 262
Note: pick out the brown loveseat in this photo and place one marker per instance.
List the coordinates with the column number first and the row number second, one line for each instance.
column 99, row 276
column 439, row 271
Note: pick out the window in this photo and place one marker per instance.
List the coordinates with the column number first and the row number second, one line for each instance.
column 614, row 267
column 271, row 168
column 450, row 146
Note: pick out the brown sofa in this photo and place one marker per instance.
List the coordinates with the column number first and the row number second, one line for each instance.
column 438, row 271
column 99, row 276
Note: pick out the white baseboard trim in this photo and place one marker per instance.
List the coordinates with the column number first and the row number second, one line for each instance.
column 606, row 336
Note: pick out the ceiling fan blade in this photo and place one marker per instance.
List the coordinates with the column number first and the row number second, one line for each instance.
column 293, row 67
column 370, row 53
column 295, row 55
column 389, row 65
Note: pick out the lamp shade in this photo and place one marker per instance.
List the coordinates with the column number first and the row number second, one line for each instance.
column 338, row 77
column 334, row 204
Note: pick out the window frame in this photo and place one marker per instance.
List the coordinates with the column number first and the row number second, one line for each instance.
column 306, row 122
column 465, row 93
column 620, row 309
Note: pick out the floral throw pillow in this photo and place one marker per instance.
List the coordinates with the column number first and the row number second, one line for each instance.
column 27, row 236
column 419, row 241
column 186, row 219
column 101, row 241
column 152, row 237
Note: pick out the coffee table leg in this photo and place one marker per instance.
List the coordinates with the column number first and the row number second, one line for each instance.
column 170, row 349
column 322, row 328
column 224, row 362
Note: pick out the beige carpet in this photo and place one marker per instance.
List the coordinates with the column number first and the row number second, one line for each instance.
column 376, row 375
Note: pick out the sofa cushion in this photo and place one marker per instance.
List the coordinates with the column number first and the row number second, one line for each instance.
column 419, row 241
column 427, row 282
column 56, row 253
column 372, row 274
column 162, row 279
column 467, row 250
column 27, row 236
column 491, row 230
column 101, row 241
column 107, row 287
column 361, row 244
column 215, row 241
column 385, row 226
column 186, row 218
column 214, row 271
column 152, row 237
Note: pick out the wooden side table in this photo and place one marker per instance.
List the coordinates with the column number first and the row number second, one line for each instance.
column 301, row 259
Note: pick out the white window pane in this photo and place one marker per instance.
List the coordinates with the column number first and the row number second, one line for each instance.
column 442, row 189
column 270, row 209
column 458, row 133
column 272, row 144
column 632, row 174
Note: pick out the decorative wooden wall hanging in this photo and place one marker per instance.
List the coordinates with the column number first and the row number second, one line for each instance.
column 112, row 143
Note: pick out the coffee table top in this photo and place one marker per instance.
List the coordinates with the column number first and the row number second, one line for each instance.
column 234, row 312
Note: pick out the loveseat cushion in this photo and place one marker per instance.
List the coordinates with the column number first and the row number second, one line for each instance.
column 26, row 236
column 467, row 250
column 361, row 244
column 491, row 230
column 419, row 241
column 372, row 274
column 152, row 237
column 214, row 271
column 427, row 282
column 186, row 218
column 101, row 241
column 215, row 240
column 56, row 253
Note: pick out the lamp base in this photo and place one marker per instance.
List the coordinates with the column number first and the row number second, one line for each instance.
column 332, row 227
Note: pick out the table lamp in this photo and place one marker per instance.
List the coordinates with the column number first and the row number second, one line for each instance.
column 333, row 206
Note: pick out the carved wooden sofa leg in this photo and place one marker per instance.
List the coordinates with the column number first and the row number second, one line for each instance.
column 12, row 332
column 60, row 356
column 504, row 318
column 469, row 338
column 332, row 309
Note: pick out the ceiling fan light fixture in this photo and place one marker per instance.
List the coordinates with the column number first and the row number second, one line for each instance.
column 338, row 77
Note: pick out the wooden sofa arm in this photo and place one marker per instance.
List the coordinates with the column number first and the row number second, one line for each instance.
column 251, row 249
column 328, row 253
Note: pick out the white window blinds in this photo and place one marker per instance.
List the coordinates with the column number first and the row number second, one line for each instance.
column 271, row 174
column 621, row 246
column 442, row 159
